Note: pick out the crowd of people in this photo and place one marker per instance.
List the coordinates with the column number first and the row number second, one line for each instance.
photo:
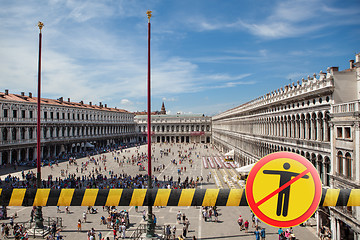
column 98, row 176
column 17, row 230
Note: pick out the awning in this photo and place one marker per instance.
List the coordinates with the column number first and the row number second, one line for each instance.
column 231, row 153
column 245, row 169
column 89, row 145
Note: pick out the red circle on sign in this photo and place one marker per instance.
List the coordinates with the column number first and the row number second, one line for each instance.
column 250, row 196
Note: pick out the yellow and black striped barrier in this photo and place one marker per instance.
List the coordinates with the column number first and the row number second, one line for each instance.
column 155, row 197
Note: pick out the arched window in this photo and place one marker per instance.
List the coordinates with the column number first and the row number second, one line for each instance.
column 340, row 162
column 4, row 134
column 31, row 133
column 22, row 133
column 348, row 165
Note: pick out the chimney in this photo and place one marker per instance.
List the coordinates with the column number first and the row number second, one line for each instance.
column 61, row 99
column 100, row 104
column 334, row 69
column 68, row 99
column 6, row 91
column 23, row 94
column 90, row 103
column 105, row 105
column 30, row 94
column 82, row 102
column 351, row 64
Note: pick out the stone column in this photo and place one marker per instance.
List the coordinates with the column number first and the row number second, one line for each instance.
column 333, row 224
column 356, row 156
column 301, row 130
column 306, row 130
column 313, row 134
column 337, row 229
column 34, row 153
column 318, row 224
column 288, row 125
column 10, row 156
column 325, row 126
column 319, row 136
column 9, row 135
column 1, row 158
column 18, row 154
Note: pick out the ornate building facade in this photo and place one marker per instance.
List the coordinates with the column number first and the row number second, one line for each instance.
column 316, row 118
column 65, row 127
column 180, row 128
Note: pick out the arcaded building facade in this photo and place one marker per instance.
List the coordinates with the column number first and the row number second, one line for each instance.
column 66, row 127
column 179, row 128
column 317, row 118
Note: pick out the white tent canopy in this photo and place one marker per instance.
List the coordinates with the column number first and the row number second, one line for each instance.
column 89, row 145
column 245, row 169
column 231, row 153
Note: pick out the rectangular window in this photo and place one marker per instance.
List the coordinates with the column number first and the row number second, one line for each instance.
column 45, row 115
column 23, row 113
column 347, row 132
column 14, row 113
column 63, row 115
column 339, row 132
column 5, row 113
column 30, row 114
column 51, row 115
column 57, row 115
column 68, row 115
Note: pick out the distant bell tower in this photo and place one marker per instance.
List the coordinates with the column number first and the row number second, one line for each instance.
column 163, row 111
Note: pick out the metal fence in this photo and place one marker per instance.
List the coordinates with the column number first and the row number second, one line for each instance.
column 141, row 229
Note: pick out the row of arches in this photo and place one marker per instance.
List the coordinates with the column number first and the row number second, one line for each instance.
column 55, row 151
column 255, row 150
column 21, row 133
column 310, row 126
column 175, row 128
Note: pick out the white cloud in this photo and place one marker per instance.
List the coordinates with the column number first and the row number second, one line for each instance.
column 125, row 102
column 172, row 99
column 286, row 19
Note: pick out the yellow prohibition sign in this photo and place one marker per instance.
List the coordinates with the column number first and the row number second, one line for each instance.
column 283, row 189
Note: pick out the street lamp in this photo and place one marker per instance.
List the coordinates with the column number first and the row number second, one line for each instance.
column 38, row 215
column 150, row 224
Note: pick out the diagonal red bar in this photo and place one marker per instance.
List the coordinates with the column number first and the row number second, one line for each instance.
column 282, row 188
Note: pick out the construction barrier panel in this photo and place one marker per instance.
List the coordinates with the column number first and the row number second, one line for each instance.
column 154, row 197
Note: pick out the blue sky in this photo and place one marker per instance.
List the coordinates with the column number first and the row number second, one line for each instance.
column 207, row 56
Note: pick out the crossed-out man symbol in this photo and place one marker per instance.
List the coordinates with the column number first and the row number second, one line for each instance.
column 284, row 195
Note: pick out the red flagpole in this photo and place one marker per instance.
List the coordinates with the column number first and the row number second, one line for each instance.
column 38, row 147
column 149, row 106
column 150, row 224
column 38, row 214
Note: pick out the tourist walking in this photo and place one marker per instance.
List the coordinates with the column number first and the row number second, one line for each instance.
column 240, row 222
column 246, row 225
column 262, row 233
column 257, row 234
column 79, row 225
column 84, row 216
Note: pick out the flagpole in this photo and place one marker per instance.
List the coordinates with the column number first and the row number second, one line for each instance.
column 150, row 224
column 38, row 215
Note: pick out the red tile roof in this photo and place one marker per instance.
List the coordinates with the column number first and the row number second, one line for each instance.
column 59, row 102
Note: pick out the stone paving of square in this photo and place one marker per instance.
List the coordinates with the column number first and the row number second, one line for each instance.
column 225, row 228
